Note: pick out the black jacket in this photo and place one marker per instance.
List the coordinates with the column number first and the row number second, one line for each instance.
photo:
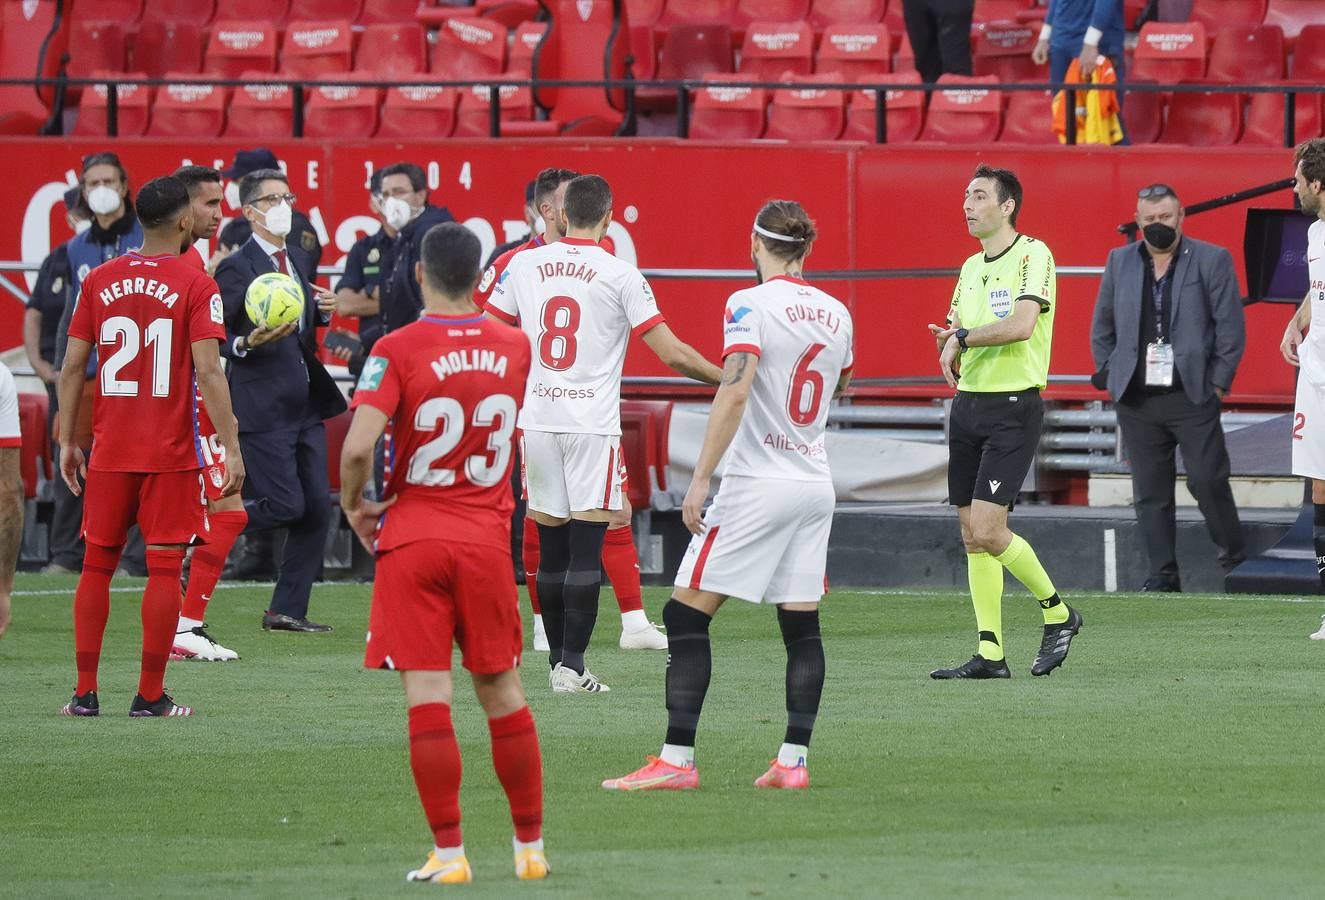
column 401, row 297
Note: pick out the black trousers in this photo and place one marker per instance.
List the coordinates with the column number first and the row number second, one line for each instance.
column 287, row 486
column 940, row 34
column 1153, row 425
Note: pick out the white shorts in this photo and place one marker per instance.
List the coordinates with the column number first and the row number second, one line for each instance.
column 767, row 541
column 566, row 473
column 1309, row 430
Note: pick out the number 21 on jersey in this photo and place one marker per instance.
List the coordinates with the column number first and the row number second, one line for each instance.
column 496, row 411
column 124, row 332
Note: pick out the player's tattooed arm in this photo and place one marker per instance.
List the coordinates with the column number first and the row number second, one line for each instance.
column 679, row 356
column 738, row 374
column 735, row 367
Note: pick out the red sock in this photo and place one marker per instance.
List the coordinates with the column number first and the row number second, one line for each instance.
column 209, row 560
column 621, row 563
column 91, row 610
column 434, row 757
column 530, row 553
column 160, row 616
column 519, row 768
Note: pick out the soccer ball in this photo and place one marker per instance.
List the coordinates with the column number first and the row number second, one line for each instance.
column 274, row 299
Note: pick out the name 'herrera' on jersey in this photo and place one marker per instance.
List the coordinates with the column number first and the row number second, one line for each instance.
column 149, row 287
column 474, row 360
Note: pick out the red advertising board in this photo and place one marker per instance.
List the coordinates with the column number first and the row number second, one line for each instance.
column 689, row 205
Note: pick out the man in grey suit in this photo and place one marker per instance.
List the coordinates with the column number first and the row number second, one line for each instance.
column 1167, row 337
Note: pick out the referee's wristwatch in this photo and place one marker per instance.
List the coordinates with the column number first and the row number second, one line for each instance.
column 960, row 334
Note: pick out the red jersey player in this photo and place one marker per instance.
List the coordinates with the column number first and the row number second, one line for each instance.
column 226, row 512
column 620, row 560
column 156, row 322
column 450, row 384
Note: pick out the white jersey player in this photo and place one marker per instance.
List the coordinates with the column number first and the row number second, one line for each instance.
column 787, row 353
column 1308, row 351
column 579, row 306
column 11, row 490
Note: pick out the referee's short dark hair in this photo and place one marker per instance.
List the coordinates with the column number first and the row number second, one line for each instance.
column 450, row 256
column 588, row 201
column 161, row 200
column 1009, row 187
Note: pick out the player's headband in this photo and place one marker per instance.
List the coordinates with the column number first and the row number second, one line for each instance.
column 773, row 235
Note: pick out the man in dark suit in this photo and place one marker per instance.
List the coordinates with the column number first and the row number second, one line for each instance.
column 405, row 208
column 236, row 232
column 1167, row 337
column 281, row 394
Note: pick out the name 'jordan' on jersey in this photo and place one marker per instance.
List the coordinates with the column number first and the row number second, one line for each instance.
column 1312, row 350
column 451, row 387
column 578, row 305
column 142, row 314
column 803, row 338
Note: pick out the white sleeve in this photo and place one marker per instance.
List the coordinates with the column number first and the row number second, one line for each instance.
column 502, row 301
column 640, row 306
column 742, row 327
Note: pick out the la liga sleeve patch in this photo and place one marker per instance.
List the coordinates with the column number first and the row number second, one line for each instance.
column 218, row 310
column 374, row 369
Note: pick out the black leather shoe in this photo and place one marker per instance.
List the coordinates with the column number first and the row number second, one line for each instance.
column 1162, row 586
column 281, row 622
column 976, row 667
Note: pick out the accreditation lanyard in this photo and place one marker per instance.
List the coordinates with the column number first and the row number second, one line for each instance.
column 1159, row 353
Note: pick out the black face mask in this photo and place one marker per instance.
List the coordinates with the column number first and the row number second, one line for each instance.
column 1159, row 235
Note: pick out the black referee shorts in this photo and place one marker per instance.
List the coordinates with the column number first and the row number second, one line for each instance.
column 992, row 439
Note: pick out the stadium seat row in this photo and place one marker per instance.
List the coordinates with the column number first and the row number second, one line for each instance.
column 201, row 12
column 1233, row 53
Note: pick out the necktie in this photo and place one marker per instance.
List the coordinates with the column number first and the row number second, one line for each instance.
column 279, row 256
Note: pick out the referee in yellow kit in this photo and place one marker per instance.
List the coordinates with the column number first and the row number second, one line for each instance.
column 995, row 352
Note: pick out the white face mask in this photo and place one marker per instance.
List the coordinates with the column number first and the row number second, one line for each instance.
column 398, row 213
column 279, row 218
column 82, row 225
column 103, row 200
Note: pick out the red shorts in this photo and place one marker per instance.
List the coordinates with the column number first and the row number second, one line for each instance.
column 429, row 594
column 168, row 507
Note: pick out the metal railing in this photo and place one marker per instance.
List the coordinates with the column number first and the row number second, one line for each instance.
column 682, row 88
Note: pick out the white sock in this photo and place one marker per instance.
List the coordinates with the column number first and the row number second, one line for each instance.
column 446, row 854
column 187, row 624
column 526, row 845
column 634, row 620
column 793, row 755
column 676, row 755
column 538, row 623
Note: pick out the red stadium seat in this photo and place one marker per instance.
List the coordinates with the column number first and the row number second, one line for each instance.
column 1143, row 113
column 904, row 111
column 1247, row 54
column 469, row 48
column 965, row 111
column 316, row 49
column 1203, row 119
column 726, row 113
column 516, row 102
column 188, row 109
column 131, row 120
column 510, row 13
column 265, row 12
column 1216, row 14
column 341, row 110
column 95, row 47
column 1003, row 49
column 34, row 456
column 527, row 38
column 851, row 51
column 1169, row 52
column 336, row 428
column 772, row 50
column 999, row 10
column 325, row 10
column 26, row 52
column 377, row 12
column 806, row 112
column 162, row 47
column 1029, row 119
column 260, row 109
column 1309, row 58
column 584, row 43
column 237, row 47
column 848, row 12
column 751, row 11
column 392, row 50
column 1292, row 16
column 417, row 111
column 1265, row 119
column 195, row 12
column 688, row 52
column 121, row 12
column 697, row 12
column 646, row 459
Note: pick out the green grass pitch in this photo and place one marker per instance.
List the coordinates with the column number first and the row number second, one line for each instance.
column 1177, row 754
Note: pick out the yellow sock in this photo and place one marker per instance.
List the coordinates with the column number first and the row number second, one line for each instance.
column 1021, row 561
column 985, row 576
